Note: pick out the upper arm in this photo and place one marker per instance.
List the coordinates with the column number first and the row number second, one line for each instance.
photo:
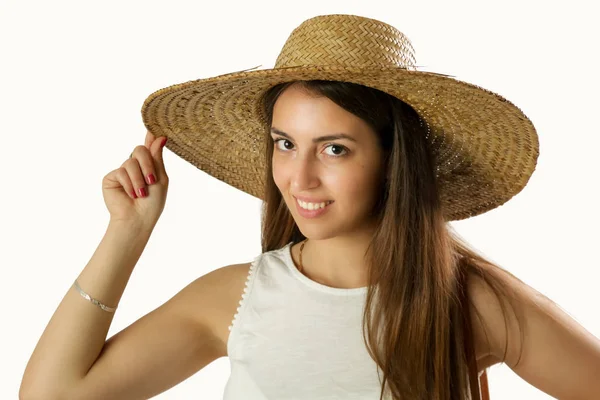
column 487, row 323
column 162, row 348
column 555, row 353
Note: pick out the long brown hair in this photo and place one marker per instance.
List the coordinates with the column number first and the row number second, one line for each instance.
column 418, row 266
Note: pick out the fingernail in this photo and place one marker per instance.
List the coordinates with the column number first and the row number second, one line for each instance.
column 142, row 192
column 164, row 142
column 151, row 179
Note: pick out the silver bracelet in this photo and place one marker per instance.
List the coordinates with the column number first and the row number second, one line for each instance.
column 89, row 298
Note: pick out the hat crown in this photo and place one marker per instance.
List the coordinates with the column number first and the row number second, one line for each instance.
column 346, row 40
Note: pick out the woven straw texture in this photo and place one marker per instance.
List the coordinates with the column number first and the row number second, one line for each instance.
column 485, row 148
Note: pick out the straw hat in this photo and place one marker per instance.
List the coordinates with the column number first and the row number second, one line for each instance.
column 485, row 148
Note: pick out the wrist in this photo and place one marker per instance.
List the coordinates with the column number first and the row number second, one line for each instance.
column 129, row 227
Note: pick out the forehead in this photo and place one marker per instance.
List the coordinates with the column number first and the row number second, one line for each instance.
column 300, row 112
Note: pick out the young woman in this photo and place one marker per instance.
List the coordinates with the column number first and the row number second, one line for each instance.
column 362, row 290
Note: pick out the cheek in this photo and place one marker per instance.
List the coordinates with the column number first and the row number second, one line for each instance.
column 357, row 186
column 278, row 176
column 342, row 183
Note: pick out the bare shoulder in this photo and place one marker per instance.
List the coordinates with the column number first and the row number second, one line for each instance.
column 219, row 293
column 487, row 321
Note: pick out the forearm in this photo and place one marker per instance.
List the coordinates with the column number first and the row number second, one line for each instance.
column 75, row 335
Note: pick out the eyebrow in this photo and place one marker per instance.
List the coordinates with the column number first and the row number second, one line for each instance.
column 317, row 139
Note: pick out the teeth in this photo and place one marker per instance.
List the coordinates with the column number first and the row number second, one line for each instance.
column 313, row 206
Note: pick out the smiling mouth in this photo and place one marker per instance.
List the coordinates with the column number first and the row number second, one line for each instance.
column 313, row 206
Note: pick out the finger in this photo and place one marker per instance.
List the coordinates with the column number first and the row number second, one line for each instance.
column 146, row 163
column 150, row 138
column 121, row 176
column 157, row 154
column 136, row 177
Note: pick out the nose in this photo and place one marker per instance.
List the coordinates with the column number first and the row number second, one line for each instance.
column 304, row 173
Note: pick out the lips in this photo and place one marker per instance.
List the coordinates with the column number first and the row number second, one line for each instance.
column 311, row 200
column 313, row 213
column 313, row 206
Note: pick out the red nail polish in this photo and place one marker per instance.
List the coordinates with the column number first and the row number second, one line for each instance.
column 164, row 142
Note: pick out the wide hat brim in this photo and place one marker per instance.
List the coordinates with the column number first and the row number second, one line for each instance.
column 485, row 148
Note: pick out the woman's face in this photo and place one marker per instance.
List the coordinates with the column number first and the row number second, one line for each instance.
column 343, row 171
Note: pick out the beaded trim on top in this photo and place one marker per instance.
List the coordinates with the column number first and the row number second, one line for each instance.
column 245, row 293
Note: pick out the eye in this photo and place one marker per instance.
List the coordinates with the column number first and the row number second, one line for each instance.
column 340, row 148
column 333, row 146
column 281, row 140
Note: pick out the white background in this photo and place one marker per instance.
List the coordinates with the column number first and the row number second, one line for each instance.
column 74, row 76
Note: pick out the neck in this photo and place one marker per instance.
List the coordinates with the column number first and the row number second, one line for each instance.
column 336, row 262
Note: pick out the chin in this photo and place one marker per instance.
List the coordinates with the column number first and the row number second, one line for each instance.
column 319, row 230
column 317, row 234
column 322, row 230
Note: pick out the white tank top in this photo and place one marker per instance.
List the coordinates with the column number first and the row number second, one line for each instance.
column 294, row 338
